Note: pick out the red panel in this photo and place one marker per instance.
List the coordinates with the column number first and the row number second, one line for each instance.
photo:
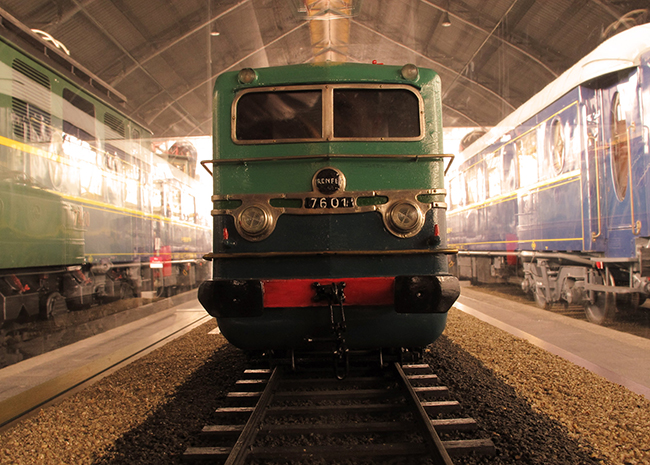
column 300, row 292
column 166, row 254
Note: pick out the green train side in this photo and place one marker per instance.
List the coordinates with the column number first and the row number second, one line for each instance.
column 329, row 208
column 87, row 211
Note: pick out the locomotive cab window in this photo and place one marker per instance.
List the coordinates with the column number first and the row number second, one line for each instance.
column 349, row 112
column 284, row 115
column 376, row 113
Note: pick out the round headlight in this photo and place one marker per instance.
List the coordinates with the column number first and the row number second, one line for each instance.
column 247, row 75
column 254, row 220
column 405, row 217
column 410, row 72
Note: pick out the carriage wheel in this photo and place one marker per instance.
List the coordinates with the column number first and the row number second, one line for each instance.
column 540, row 298
column 604, row 306
column 50, row 307
column 603, row 309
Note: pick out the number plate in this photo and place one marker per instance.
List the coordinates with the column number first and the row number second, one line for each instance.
column 329, row 202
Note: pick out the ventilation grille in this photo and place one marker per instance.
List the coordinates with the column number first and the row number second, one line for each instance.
column 34, row 74
column 115, row 124
column 30, row 123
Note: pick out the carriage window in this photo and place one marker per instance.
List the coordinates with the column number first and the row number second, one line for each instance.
column 509, row 168
column 526, row 148
column 280, row 115
column 376, row 113
column 557, row 145
column 494, row 175
column 620, row 154
column 475, row 184
column 457, row 191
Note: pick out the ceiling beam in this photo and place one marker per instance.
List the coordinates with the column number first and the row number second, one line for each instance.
column 439, row 65
column 108, row 35
column 160, row 50
column 205, row 81
column 522, row 51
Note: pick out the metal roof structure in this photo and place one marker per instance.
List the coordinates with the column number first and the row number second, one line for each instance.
column 164, row 55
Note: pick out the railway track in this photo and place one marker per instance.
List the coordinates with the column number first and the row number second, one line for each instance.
column 374, row 415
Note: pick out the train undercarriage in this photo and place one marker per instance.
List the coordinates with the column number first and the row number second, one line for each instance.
column 41, row 293
column 603, row 286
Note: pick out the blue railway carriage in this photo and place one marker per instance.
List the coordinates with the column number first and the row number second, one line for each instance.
column 87, row 212
column 329, row 208
column 561, row 187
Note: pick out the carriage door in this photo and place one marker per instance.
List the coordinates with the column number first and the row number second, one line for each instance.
column 622, row 194
column 594, row 204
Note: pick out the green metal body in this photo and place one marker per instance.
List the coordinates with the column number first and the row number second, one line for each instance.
column 77, row 179
column 329, row 244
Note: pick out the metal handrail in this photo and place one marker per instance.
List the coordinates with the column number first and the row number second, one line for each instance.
column 329, row 156
column 595, row 236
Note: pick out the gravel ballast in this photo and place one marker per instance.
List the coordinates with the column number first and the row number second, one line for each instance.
column 536, row 407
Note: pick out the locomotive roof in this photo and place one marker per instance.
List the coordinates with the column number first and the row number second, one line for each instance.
column 622, row 51
column 326, row 72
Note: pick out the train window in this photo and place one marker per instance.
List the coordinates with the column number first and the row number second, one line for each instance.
column 174, row 199
column 188, row 207
column 376, row 113
column 494, row 164
column 78, row 116
column 509, row 168
column 136, row 147
column 557, row 145
column 280, row 115
column 620, row 157
column 78, row 133
column 475, row 182
column 457, row 191
column 526, row 148
column 79, row 102
column 131, row 186
column 114, row 153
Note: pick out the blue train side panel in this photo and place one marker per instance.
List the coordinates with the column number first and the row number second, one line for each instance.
column 558, row 192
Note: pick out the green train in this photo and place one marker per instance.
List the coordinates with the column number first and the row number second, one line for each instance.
column 329, row 208
column 87, row 211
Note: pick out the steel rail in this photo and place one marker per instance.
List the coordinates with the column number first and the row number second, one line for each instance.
column 435, row 446
column 259, row 439
column 242, row 447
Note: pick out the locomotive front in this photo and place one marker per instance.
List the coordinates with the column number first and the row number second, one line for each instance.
column 329, row 208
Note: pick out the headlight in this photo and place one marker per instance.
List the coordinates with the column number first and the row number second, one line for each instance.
column 410, row 72
column 254, row 221
column 405, row 219
column 247, row 75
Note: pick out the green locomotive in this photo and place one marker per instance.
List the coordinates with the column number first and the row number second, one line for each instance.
column 87, row 211
column 329, row 208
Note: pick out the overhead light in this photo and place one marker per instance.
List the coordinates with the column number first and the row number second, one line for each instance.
column 446, row 22
column 215, row 34
column 48, row 38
